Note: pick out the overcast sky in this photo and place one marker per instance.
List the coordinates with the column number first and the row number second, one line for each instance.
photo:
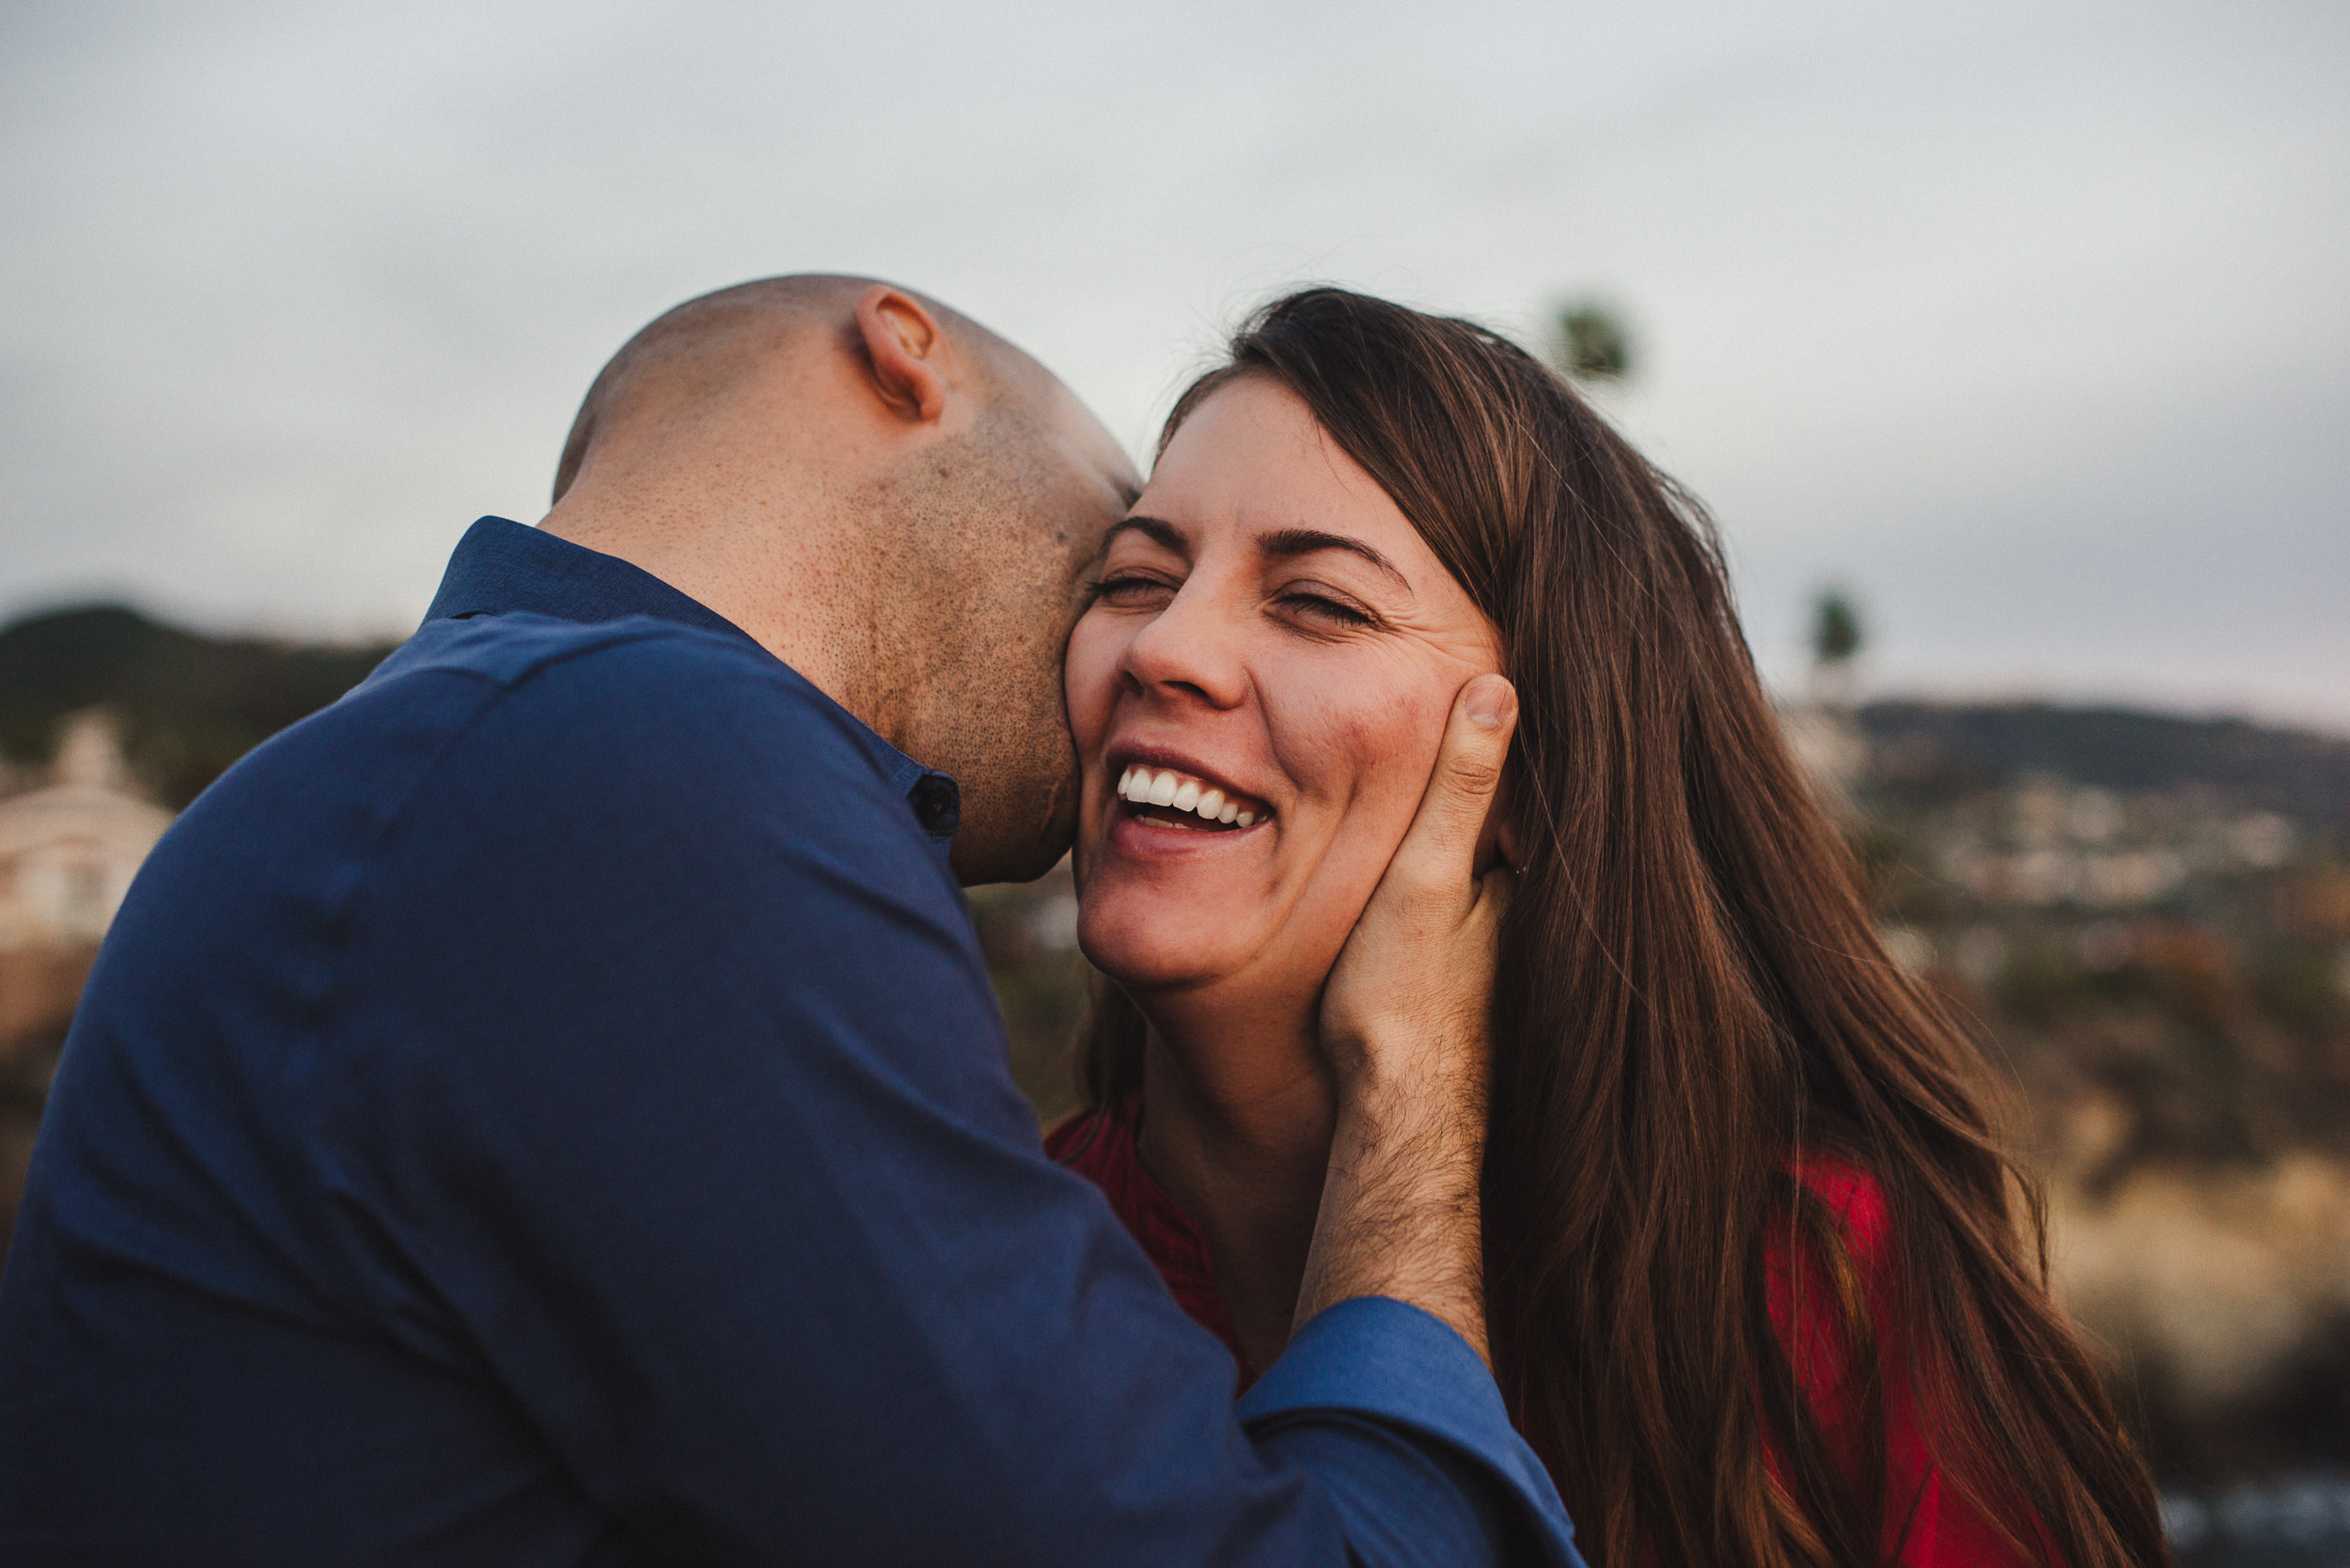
column 2028, row 322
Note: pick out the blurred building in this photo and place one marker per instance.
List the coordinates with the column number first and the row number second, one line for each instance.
column 69, row 849
column 71, row 840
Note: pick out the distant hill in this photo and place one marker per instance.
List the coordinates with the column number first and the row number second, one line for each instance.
column 2302, row 775
column 190, row 704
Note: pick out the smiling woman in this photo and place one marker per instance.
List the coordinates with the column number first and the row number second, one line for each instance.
column 1755, row 1283
column 1270, row 627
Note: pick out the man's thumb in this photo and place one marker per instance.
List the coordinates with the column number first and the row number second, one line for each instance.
column 1442, row 843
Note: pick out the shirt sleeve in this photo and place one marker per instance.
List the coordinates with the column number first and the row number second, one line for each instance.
column 1401, row 1376
column 669, row 1099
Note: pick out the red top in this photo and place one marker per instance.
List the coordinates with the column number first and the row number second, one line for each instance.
column 1101, row 1150
column 1942, row 1531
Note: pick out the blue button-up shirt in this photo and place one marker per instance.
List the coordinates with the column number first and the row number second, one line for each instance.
column 549, row 1108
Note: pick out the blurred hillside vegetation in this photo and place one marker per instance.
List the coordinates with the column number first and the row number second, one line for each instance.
column 2150, row 919
column 2147, row 918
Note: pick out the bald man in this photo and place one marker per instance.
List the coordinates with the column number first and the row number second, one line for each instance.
column 548, row 1108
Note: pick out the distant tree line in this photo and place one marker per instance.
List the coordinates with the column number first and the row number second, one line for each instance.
column 2303, row 774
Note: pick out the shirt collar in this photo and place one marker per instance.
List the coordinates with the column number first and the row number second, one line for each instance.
column 500, row 567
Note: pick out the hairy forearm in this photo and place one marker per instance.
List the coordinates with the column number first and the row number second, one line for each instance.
column 1401, row 1214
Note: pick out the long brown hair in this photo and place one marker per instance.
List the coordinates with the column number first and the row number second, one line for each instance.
column 1692, row 999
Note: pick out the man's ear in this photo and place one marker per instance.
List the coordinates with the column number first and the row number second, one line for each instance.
column 906, row 351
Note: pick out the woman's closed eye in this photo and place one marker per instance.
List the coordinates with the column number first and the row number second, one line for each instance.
column 1129, row 591
column 1325, row 606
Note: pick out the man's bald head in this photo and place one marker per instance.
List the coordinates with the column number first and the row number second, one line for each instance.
column 891, row 498
column 692, row 356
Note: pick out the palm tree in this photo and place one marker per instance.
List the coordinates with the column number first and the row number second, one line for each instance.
column 1835, row 628
column 1591, row 344
column 1835, row 641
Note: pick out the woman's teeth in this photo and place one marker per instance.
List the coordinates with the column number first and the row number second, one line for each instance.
column 1143, row 786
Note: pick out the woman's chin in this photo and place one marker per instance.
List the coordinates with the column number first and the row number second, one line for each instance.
column 1148, row 951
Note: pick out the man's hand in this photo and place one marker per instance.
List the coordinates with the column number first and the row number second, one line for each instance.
column 1403, row 1025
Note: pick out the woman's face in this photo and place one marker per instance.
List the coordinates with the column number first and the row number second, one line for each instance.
column 1272, row 641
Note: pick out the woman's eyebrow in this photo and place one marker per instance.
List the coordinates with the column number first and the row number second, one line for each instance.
column 1151, row 528
column 1282, row 543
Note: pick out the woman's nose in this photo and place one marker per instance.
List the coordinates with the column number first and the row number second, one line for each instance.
column 1187, row 651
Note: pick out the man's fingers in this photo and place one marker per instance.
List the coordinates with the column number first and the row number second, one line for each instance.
column 1442, row 843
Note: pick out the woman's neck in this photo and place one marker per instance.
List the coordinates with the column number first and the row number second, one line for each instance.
column 1236, row 1127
